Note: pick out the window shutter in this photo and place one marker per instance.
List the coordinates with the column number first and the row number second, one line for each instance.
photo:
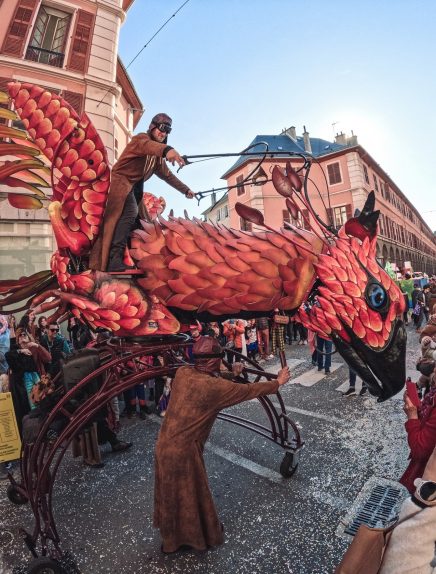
column 4, row 88
column 19, row 28
column 348, row 211
column 286, row 216
column 330, row 218
column 81, row 44
column 74, row 99
column 306, row 217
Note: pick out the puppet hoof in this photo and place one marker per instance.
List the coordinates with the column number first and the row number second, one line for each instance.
column 289, row 465
column 45, row 565
column 15, row 495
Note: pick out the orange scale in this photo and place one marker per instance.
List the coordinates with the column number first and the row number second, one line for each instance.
column 93, row 219
column 72, row 222
column 381, row 340
column 78, row 210
column 372, row 339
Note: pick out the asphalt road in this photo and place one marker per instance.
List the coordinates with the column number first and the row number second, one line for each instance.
column 272, row 525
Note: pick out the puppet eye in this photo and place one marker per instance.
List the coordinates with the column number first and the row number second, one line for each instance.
column 377, row 297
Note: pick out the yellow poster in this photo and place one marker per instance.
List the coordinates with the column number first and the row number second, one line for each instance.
column 10, row 444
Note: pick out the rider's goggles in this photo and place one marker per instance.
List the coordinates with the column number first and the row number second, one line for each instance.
column 164, row 128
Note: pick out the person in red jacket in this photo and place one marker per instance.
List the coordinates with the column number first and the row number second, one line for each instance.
column 421, row 434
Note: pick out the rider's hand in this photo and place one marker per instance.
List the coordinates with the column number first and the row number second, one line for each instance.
column 237, row 369
column 190, row 194
column 283, row 376
column 174, row 157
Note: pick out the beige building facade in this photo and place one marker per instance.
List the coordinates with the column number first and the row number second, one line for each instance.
column 69, row 47
column 341, row 176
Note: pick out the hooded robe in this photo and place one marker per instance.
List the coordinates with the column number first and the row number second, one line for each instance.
column 184, row 510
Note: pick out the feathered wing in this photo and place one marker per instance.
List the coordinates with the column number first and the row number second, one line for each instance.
column 79, row 171
column 206, row 268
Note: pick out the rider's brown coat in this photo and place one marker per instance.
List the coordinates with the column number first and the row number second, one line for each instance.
column 141, row 158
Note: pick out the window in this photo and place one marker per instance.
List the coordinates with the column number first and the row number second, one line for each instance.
column 7, row 226
column 245, row 225
column 286, row 216
column 387, row 192
column 381, row 224
column 47, row 44
column 240, row 185
column 365, row 173
column 375, row 184
column 334, row 173
column 218, row 214
column 226, row 211
column 340, row 215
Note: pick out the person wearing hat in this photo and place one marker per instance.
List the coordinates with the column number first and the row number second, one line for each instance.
column 146, row 154
column 184, row 510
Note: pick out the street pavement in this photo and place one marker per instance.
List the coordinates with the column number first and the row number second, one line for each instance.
column 273, row 525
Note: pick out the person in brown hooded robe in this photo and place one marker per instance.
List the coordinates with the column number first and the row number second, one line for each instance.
column 143, row 156
column 184, row 510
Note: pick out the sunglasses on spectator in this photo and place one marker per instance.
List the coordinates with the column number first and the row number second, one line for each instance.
column 51, row 329
column 164, row 128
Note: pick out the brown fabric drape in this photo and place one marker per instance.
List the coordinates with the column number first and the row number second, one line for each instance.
column 184, row 510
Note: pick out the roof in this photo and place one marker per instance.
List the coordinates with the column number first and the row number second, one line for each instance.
column 129, row 92
column 127, row 4
column 284, row 143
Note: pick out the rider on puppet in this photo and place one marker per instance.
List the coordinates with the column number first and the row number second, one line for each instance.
column 143, row 156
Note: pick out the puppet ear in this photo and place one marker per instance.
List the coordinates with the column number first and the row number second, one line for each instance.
column 365, row 223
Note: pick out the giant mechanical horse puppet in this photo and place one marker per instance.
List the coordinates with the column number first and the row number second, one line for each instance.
column 330, row 280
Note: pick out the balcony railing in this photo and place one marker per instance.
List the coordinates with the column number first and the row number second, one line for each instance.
column 45, row 56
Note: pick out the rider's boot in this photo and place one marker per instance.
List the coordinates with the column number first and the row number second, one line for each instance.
column 116, row 262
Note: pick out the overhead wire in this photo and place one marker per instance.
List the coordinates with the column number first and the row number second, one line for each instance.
column 147, row 43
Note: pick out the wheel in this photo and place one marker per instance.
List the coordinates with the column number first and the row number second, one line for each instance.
column 45, row 565
column 287, row 467
column 15, row 495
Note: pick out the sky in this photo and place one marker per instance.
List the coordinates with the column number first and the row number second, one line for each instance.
column 228, row 70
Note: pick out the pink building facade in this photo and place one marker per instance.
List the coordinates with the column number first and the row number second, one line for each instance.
column 69, row 47
column 342, row 175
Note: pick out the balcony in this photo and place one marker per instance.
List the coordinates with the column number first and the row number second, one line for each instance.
column 43, row 56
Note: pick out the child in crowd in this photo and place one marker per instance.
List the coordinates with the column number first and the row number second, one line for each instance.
column 165, row 397
column 251, row 339
column 426, row 362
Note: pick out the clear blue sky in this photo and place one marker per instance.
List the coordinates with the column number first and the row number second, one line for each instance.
column 227, row 70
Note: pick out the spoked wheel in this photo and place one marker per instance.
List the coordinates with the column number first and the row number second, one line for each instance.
column 45, row 565
column 15, row 495
column 289, row 465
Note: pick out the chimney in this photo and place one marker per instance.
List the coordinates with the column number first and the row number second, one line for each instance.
column 213, row 198
column 290, row 132
column 306, row 139
column 341, row 139
column 352, row 140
